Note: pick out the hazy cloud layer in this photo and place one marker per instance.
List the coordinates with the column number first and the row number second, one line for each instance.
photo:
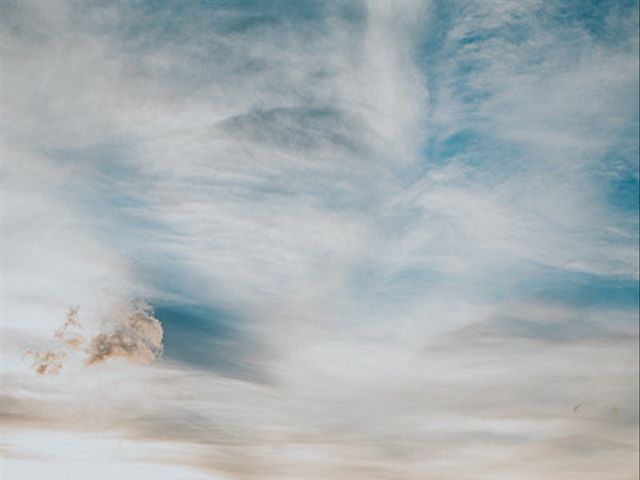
column 376, row 240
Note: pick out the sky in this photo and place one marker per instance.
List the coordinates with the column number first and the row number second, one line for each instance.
column 320, row 240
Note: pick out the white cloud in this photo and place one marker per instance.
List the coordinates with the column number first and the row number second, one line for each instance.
column 276, row 165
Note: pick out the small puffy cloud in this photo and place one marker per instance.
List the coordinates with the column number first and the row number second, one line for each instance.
column 130, row 332
column 68, row 332
column 136, row 335
column 47, row 362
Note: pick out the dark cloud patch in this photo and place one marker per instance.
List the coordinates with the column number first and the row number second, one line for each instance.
column 557, row 331
column 547, row 329
column 296, row 128
column 522, row 332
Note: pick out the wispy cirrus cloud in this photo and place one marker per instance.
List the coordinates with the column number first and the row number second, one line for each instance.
column 383, row 240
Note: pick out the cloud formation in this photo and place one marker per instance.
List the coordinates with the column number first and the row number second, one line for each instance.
column 134, row 334
column 47, row 362
column 69, row 331
column 129, row 331
column 384, row 239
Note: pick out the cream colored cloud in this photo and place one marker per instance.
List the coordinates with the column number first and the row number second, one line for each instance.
column 47, row 362
column 69, row 331
column 135, row 335
column 129, row 331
